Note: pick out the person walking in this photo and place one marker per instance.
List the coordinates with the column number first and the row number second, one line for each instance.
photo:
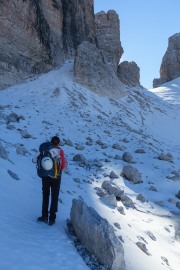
column 52, row 186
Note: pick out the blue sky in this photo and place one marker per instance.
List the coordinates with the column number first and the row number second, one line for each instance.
column 145, row 27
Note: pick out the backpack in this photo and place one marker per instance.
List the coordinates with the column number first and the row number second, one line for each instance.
column 48, row 161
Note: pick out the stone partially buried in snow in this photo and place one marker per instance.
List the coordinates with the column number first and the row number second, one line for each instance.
column 110, row 200
column 3, row 152
column 112, row 188
column 166, row 157
column 127, row 157
column 97, row 235
column 132, row 174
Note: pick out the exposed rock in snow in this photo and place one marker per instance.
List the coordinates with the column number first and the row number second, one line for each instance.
column 96, row 234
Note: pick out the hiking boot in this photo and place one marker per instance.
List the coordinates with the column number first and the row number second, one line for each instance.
column 42, row 219
column 51, row 222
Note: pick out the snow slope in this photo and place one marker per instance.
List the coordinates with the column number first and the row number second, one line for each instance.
column 53, row 104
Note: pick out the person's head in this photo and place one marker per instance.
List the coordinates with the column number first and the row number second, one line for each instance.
column 55, row 140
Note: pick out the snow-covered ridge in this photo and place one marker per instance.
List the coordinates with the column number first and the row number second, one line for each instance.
column 54, row 104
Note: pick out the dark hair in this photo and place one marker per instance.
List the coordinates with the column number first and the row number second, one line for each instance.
column 55, row 140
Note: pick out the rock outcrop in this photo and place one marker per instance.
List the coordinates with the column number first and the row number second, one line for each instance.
column 37, row 35
column 97, row 235
column 31, row 38
column 129, row 73
column 91, row 69
column 108, row 36
column 78, row 24
column 170, row 66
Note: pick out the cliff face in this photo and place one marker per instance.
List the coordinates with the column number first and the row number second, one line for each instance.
column 170, row 66
column 37, row 35
column 108, row 36
column 78, row 24
column 31, row 38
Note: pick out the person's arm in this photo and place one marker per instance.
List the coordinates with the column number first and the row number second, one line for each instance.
column 63, row 160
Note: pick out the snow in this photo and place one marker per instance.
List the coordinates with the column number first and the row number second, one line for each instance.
column 53, row 104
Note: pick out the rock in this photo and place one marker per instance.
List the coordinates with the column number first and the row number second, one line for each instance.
column 127, row 201
column 178, row 205
column 151, row 235
column 77, row 180
column 113, row 175
column 68, row 142
column 107, row 27
column 25, row 134
column 152, row 188
column 141, row 198
column 110, row 200
column 92, row 69
column 127, row 157
column 117, row 146
column 129, row 73
column 21, row 150
column 117, row 225
column 165, row 260
column 101, row 192
column 178, row 194
column 97, row 235
column 112, row 188
column 170, row 66
column 37, row 36
column 13, row 117
column 78, row 24
column 140, row 151
column 78, row 157
column 121, row 210
column 13, row 175
column 143, row 247
column 132, row 174
column 118, row 157
column 3, row 152
column 80, row 147
column 166, row 157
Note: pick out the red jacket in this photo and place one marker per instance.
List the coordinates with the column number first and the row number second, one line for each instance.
column 63, row 160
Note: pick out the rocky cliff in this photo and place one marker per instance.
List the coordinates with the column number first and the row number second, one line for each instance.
column 39, row 35
column 108, row 36
column 170, row 66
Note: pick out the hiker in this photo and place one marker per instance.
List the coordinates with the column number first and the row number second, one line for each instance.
column 51, row 185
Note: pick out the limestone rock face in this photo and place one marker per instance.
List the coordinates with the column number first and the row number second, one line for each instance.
column 91, row 69
column 129, row 73
column 108, row 36
column 170, row 66
column 31, row 38
column 78, row 24
column 37, row 35
column 97, row 235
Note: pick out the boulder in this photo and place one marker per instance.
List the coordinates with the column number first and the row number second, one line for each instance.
column 112, row 188
column 127, row 157
column 110, row 200
column 132, row 174
column 97, row 235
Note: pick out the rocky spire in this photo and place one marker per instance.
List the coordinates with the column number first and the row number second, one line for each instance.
column 170, row 66
column 108, row 36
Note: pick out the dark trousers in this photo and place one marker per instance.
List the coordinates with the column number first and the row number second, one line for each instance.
column 50, row 186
